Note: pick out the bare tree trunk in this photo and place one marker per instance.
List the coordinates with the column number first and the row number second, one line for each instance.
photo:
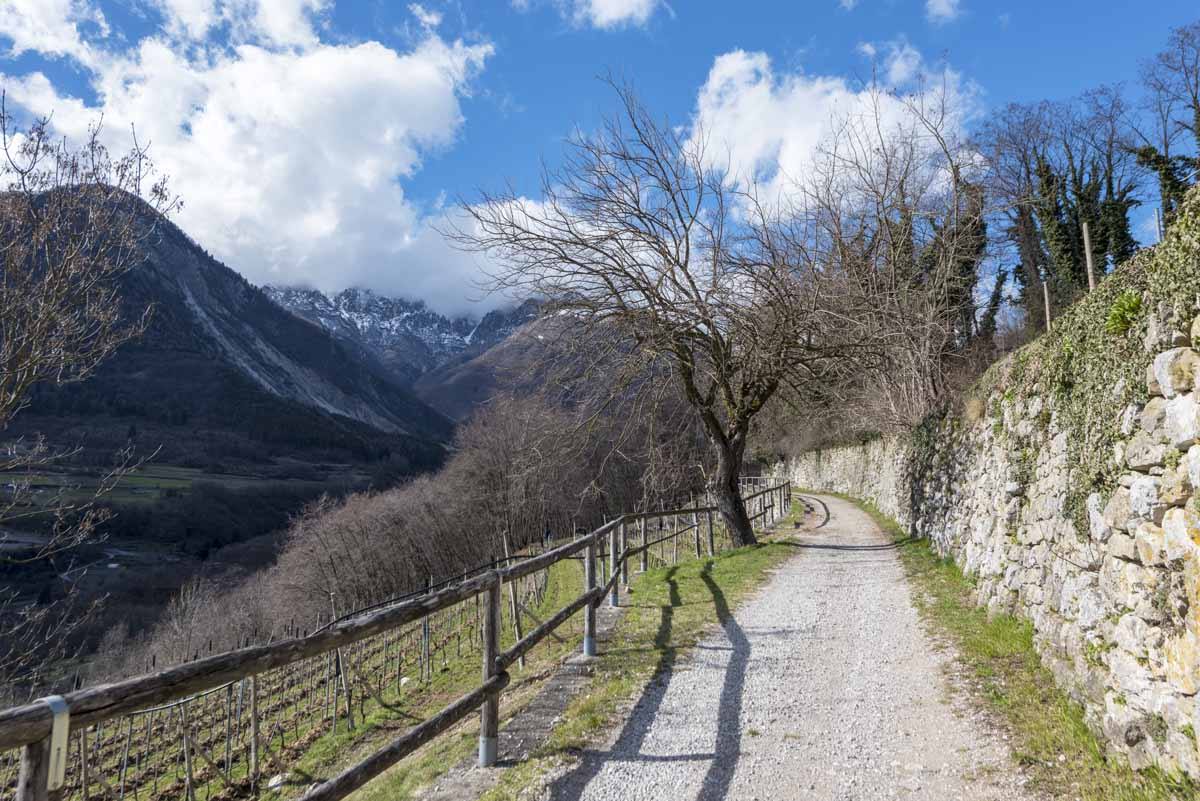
column 724, row 487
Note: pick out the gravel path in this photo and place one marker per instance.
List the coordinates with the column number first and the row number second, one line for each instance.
column 823, row 686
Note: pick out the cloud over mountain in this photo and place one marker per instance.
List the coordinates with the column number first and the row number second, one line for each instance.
column 290, row 149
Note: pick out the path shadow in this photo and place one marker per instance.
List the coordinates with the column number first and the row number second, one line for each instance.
column 809, row 500
column 820, row 546
column 729, row 708
column 567, row 787
column 728, row 735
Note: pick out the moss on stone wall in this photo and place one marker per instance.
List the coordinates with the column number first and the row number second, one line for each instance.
column 1089, row 369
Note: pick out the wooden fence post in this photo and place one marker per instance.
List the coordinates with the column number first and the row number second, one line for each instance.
column 589, row 611
column 614, row 555
column 425, row 637
column 712, row 546
column 645, row 555
column 1046, row 301
column 696, row 525
column 34, row 771
column 1087, row 249
column 512, row 600
column 624, row 537
column 254, row 766
column 489, row 724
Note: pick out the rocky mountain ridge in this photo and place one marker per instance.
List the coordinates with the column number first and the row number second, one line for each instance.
column 406, row 336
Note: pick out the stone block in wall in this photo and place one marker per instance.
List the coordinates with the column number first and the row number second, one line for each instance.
column 1144, row 500
column 1152, row 387
column 1122, row 546
column 1182, row 423
column 1098, row 527
column 1117, row 512
column 1150, row 541
column 1191, row 588
column 1128, row 586
column 1182, row 654
column 1152, row 416
column 1193, row 465
column 1136, row 635
column 1130, row 676
column 1175, row 370
column 1145, row 451
column 1175, row 485
column 1181, row 531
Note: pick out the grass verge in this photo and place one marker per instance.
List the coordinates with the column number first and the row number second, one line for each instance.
column 668, row 611
column 1063, row 757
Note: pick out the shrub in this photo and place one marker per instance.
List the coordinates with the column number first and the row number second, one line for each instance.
column 1123, row 313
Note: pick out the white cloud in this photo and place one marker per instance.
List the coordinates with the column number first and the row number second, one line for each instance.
column 848, row 5
column 896, row 64
column 615, row 13
column 190, row 19
column 51, row 27
column 290, row 153
column 603, row 14
column 942, row 11
column 425, row 16
column 769, row 128
column 903, row 63
column 280, row 22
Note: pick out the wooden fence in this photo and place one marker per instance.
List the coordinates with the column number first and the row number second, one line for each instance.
column 214, row 727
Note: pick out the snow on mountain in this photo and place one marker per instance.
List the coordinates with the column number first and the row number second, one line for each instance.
column 406, row 336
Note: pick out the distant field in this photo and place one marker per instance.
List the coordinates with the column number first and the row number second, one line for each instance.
column 154, row 482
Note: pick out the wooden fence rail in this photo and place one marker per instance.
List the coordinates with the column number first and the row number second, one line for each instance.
column 215, row 708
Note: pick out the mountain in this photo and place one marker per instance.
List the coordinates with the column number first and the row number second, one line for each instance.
column 406, row 336
column 224, row 374
column 517, row 363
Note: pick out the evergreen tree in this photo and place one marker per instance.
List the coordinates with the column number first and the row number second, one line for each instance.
column 987, row 323
column 1171, row 171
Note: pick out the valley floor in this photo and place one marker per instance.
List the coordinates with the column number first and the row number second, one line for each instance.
column 824, row 685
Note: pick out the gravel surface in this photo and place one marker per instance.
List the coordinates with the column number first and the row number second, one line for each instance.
column 823, row 686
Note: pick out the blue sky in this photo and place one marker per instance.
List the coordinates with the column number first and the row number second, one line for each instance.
column 317, row 141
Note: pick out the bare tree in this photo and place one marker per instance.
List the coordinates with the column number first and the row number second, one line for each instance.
column 895, row 205
column 72, row 222
column 637, row 232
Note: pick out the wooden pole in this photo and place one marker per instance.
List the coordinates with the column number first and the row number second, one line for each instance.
column 624, row 562
column 712, row 546
column 189, row 787
column 614, row 597
column 83, row 760
column 489, row 723
column 512, row 602
column 1158, row 223
column 254, row 766
column 1046, row 300
column 645, row 555
column 1087, row 249
column 589, row 611
column 425, row 637
column 34, row 771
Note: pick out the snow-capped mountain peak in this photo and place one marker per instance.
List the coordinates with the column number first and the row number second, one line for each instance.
column 407, row 336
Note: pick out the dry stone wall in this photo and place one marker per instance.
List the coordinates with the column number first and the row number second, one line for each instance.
column 1068, row 486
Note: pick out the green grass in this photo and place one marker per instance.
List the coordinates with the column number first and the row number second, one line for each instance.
column 1050, row 737
column 152, row 482
column 332, row 752
column 669, row 610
